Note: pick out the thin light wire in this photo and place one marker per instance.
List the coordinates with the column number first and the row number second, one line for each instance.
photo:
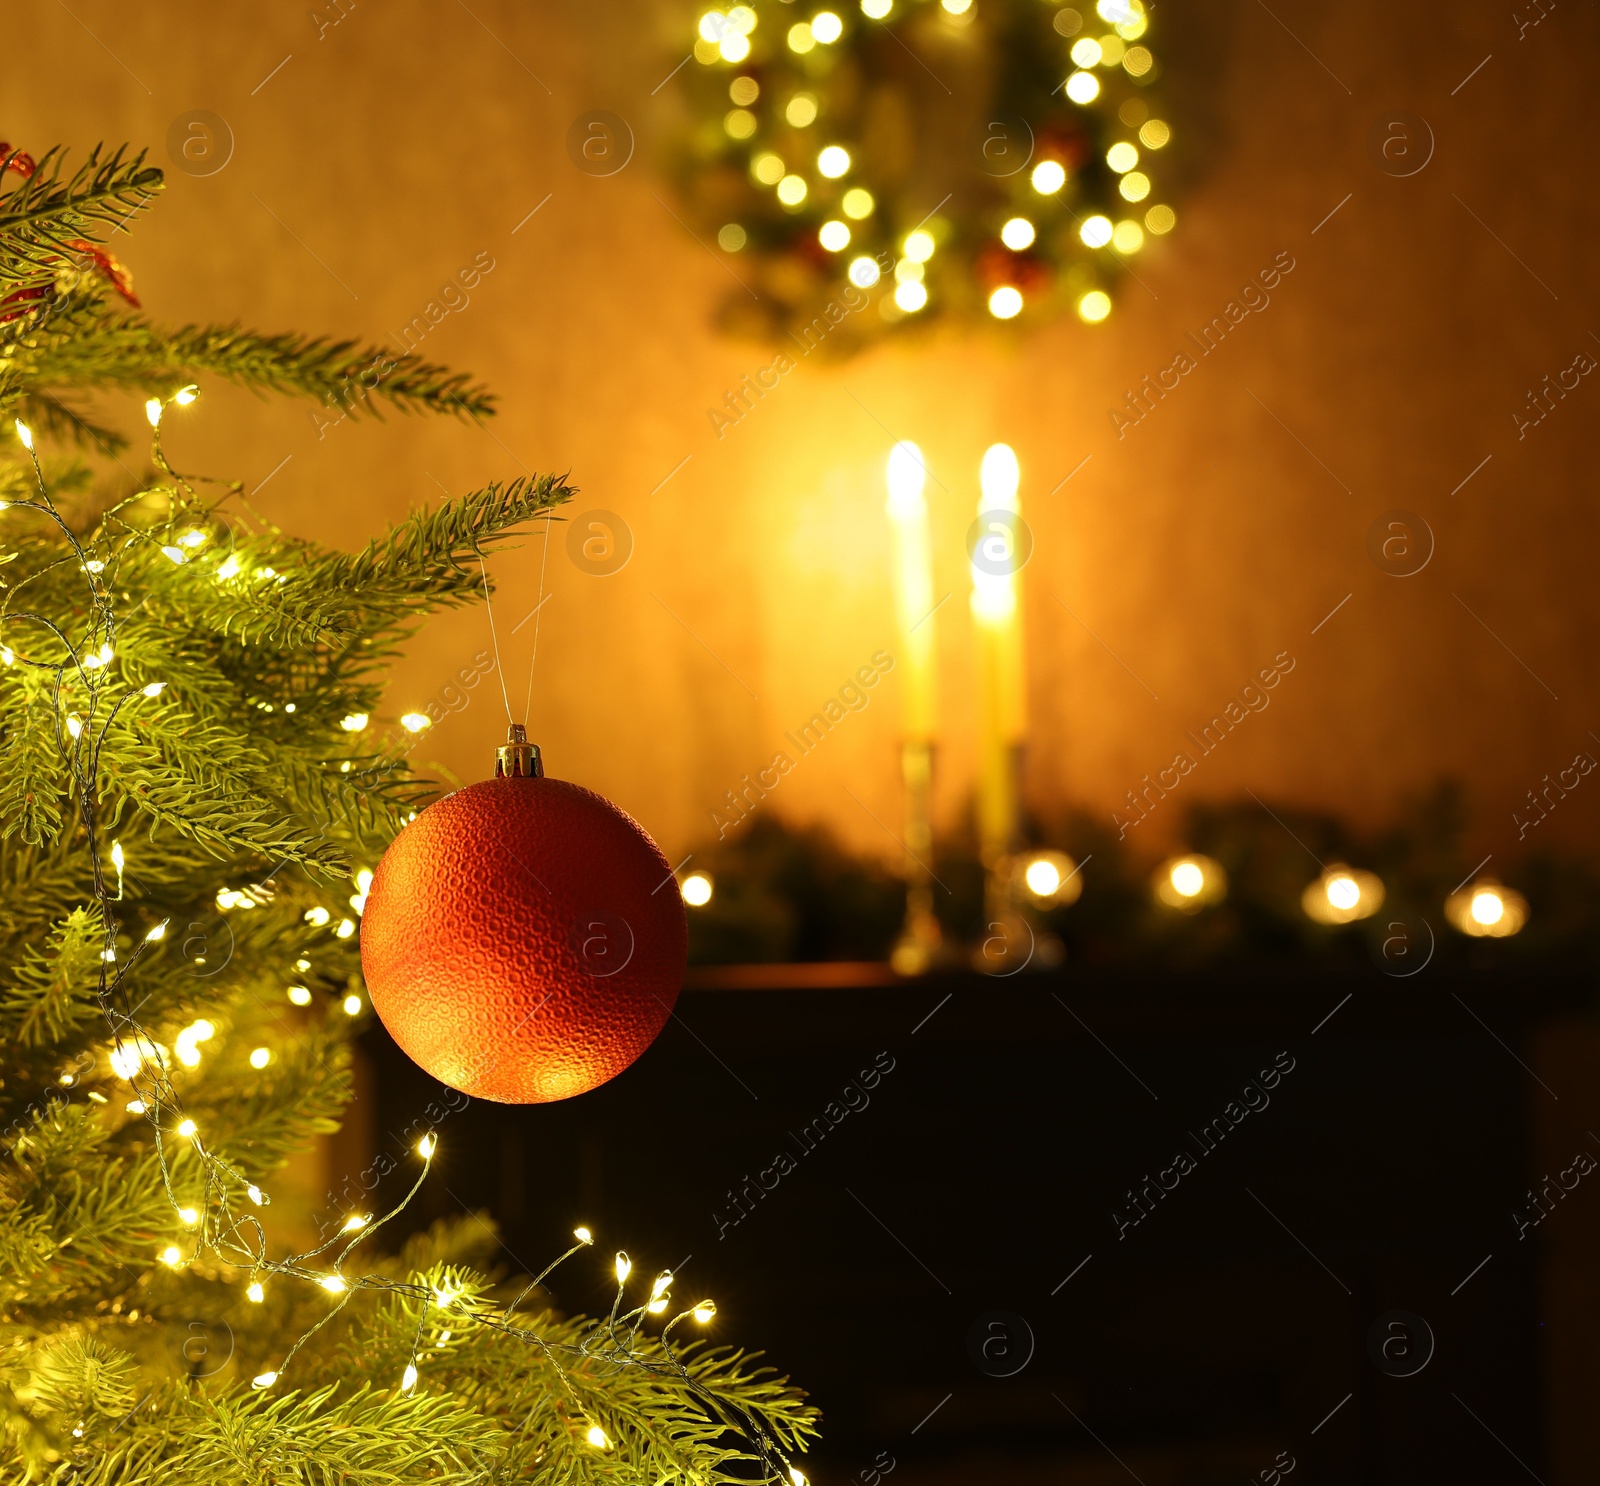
column 494, row 639
column 538, row 616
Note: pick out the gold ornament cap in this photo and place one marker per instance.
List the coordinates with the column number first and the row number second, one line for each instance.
column 517, row 758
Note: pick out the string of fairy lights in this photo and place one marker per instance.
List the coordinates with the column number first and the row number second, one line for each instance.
column 222, row 1219
column 1051, row 204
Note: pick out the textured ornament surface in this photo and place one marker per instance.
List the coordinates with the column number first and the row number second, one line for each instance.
column 523, row 940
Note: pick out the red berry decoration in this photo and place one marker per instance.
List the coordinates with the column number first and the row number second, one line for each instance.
column 523, row 939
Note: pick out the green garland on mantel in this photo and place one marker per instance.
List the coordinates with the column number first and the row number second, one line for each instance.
column 785, row 893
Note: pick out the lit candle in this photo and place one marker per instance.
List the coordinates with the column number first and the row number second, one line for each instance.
column 1002, row 717
column 913, row 587
column 918, row 947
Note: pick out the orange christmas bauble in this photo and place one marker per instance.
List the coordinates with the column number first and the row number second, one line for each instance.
column 523, row 940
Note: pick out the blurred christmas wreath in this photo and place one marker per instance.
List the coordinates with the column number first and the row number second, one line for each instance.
column 912, row 160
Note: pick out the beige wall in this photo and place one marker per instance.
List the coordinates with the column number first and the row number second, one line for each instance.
column 408, row 140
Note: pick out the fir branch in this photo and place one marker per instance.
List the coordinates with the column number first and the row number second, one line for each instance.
column 201, row 780
column 32, row 783
column 43, row 216
column 53, row 418
column 53, row 991
column 95, row 346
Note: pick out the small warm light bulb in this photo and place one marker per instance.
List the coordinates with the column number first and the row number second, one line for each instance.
column 264, row 1380
column 1343, row 891
column 919, row 246
column 910, row 296
column 1096, row 231
column 1487, row 910
column 795, row 1477
column 255, row 1292
column 416, row 722
column 188, row 1129
column 176, row 554
column 583, row 1235
column 655, row 1307
column 834, row 236
column 172, row 1255
column 25, row 434
column 299, row 995
column 186, row 395
column 864, row 272
column 658, row 1286
column 427, row 1146
column 624, row 1266
column 188, row 1216
column 152, row 411
column 318, row 917
column 354, row 1222
column 1018, row 234
column 135, row 1106
column 834, row 161
column 229, row 568
column 1043, row 877
column 260, row 1057
column 354, row 722
column 118, row 858
column 346, row 928
column 408, row 1379
column 1187, row 879
column 1005, row 303
column 1048, row 177
column 826, row 27
column 598, row 1438
column 1094, row 306
column 155, row 688
column 1488, row 907
column 75, row 726
column 1083, row 87
column 697, row 889
column 333, row 1284
column 352, row 1005
column 705, row 1311
column 253, row 1192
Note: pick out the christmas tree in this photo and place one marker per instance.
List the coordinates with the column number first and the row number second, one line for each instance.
column 186, row 734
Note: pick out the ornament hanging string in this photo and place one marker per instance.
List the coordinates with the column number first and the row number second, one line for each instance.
column 538, row 615
column 494, row 640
